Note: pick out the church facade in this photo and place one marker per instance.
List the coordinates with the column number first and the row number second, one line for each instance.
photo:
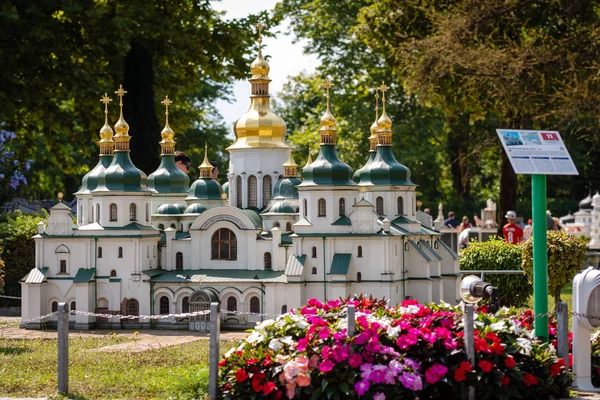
column 263, row 243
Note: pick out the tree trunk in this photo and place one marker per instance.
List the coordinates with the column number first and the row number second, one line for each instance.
column 557, row 300
column 508, row 191
column 459, row 166
column 138, row 109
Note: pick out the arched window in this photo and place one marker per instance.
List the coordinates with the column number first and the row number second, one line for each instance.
column 161, row 227
column 224, row 245
column 99, row 252
column 254, row 305
column 97, row 212
column 267, row 187
column 147, row 212
column 231, row 304
column 314, row 252
column 164, row 305
column 113, row 212
column 314, row 270
column 63, row 266
column 238, row 191
column 132, row 212
column 342, row 207
column 284, row 309
column 400, row 205
column 120, row 252
column 288, row 227
column 322, row 208
column 267, row 260
column 133, row 307
column 252, row 195
column 276, row 224
column 435, row 244
column 113, row 273
column 359, row 251
column 54, row 306
column 305, row 207
column 358, row 277
column 379, row 205
column 174, row 226
column 73, row 306
column 185, row 305
column 179, row 260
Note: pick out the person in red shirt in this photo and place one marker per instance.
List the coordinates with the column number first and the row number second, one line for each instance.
column 513, row 233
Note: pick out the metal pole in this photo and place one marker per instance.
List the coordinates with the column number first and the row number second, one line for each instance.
column 351, row 320
column 563, row 332
column 63, row 348
column 213, row 366
column 469, row 337
column 540, row 257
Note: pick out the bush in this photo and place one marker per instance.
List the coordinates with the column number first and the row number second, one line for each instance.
column 565, row 259
column 405, row 352
column 1, row 273
column 496, row 254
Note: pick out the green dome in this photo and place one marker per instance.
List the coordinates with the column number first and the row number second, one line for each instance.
column 196, row 208
column 285, row 197
column 205, row 189
column 168, row 209
column 385, row 170
column 168, row 178
column 327, row 169
column 365, row 168
column 90, row 180
column 226, row 188
column 122, row 175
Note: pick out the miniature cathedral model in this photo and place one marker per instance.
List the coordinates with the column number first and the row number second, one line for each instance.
column 265, row 242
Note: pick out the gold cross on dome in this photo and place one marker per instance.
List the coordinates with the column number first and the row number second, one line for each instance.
column 383, row 88
column 260, row 26
column 328, row 84
column 106, row 100
column 121, row 92
column 167, row 103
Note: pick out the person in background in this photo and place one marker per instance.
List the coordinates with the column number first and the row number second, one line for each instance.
column 557, row 225
column 451, row 222
column 463, row 238
column 182, row 161
column 527, row 230
column 464, row 224
column 513, row 233
column 427, row 211
column 550, row 225
column 215, row 171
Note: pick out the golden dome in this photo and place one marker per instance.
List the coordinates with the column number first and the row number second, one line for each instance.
column 122, row 137
column 259, row 127
column 107, row 144
column 327, row 131
column 167, row 144
column 384, row 134
column 206, row 167
column 290, row 167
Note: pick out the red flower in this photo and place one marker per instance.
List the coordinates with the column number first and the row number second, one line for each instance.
column 256, row 385
column 504, row 380
column 481, row 345
column 460, row 375
column 555, row 369
column 251, row 361
column 466, row 366
column 268, row 388
column 509, row 362
column 407, row 303
column 278, row 395
column 241, row 375
column 222, row 363
column 492, row 337
column 561, row 362
column 485, row 365
column 530, row 380
column 497, row 348
column 267, row 361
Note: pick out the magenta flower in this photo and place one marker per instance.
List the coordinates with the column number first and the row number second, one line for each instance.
column 379, row 396
column 324, row 333
column 326, row 352
column 378, row 373
column 361, row 387
column 412, row 364
column 302, row 344
column 435, row 373
column 340, row 353
column 361, row 338
column 326, row 366
column 355, row 360
column 411, row 381
column 373, row 346
column 365, row 370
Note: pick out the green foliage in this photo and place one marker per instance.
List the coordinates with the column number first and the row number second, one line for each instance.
column 18, row 248
column 496, row 254
column 565, row 259
column 193, row 384
column 2, row 265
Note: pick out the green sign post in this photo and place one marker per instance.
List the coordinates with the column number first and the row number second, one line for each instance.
column 538, row 153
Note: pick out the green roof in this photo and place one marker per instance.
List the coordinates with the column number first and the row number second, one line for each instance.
column 36, row 275
column 384, row 169
column 286, row 239
column 205, row 189
column 216, row 275
column 168, row 178
column 134, row 226
column 254, row 217
column 343, row 220
column 90, row 180
column 122, row 176
column 327, row 169
column 168, row 209
column 196, row 208
column 431, row 250
column 365, row 168
column 84, row 275
column 340, row 264
column 301, row 259
column 420, row 251
column 403, row 220
column 429, row 231
column 449, row 250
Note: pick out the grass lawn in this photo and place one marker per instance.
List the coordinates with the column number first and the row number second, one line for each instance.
column 28, row 368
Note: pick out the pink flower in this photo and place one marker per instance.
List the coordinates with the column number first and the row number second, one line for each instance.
column 313, row 362
column 355, row 360
column 324, row 333
column 303, row 380
column 411, row 381
column 365, row 370
column 361, row 387
column 379, row 396
column 326, row 365
column 340, row 353
column 302, row 344
column 435, row 373
column 290, row 390
column 377, row 374
column 326, row 351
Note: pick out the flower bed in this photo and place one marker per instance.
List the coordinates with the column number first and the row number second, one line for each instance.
column 405, row 352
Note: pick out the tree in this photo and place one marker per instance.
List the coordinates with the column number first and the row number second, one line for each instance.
column 1, row 273
column 58, row 57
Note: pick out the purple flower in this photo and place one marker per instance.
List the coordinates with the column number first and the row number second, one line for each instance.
column 378, row 373
column 395, row 367
column 411, row 381
column 361, row 387
column 365, row 370
column 379, row 396
column 412, row 364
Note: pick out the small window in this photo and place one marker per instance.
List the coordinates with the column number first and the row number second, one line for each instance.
column 254, row 305
column 179, row 260
column 305, row 207
column 359, row 251
column 73, row 306
column 185, row 305
column 267, row 260
column 99, row 252
column 379, row 205
column 400, row 201
column 174, row 226
column 276, row 224
column 113, row 212
column 189, row 227
column 120, row 252
column 113, row 273
column 436, row 244
column 314, row 252
column 406, row 246
column 54, row 306
column 288, row 227
column 358, row 277
column 314, row 270
column 252, row 196
column 133, row 307
column 322, row 208
column 342, row 207
column 266, row 189
column 147, row 212
column 161, row 227
column 284, row 309
column 164, row 305
column 63, row 266
column 238, row 191
column 132, row 212
column 231, row 304
column 97, row 212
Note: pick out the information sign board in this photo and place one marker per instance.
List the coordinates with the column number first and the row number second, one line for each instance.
column 537, row 152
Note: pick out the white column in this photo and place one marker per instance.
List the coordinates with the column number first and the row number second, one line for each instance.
column 232, row 189
column 244, row 193
column 259, row 190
